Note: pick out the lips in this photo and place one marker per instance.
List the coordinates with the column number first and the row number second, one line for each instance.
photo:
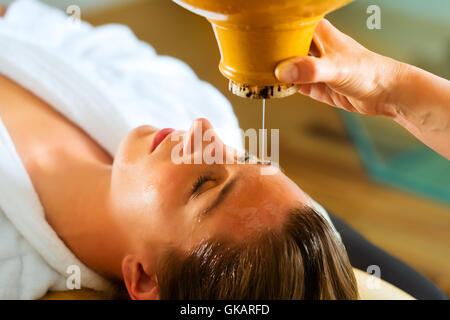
column 160, row 136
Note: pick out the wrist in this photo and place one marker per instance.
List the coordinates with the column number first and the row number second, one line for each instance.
column 419, row 100
column 396, row 89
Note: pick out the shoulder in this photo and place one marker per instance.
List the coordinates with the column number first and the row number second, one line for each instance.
column 372, row 288
column 2, row 10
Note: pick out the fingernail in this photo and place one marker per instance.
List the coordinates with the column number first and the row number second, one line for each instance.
column 287, row 72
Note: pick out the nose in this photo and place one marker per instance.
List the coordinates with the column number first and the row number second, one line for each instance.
column 193, row 140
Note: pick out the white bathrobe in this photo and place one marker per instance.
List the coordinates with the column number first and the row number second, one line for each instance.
column 107, row 82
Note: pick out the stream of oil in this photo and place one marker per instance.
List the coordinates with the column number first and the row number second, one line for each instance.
column 263, row 127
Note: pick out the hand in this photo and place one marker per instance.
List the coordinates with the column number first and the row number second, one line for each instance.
column 346, row 76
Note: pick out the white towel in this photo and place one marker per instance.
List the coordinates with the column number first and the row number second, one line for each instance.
column 107, row 82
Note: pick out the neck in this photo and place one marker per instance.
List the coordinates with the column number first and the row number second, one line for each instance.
column 70, row 173
column 78, row 212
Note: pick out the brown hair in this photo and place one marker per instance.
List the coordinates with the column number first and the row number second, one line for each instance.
column 303, row 260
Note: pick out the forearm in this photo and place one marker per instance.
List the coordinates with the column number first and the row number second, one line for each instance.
column 421, row 102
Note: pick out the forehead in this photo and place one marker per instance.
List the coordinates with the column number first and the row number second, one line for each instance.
column 256, row 203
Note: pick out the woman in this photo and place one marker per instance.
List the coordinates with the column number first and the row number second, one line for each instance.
column 127, row 212
column 70, row 95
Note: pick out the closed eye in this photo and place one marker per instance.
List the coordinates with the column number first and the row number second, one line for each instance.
column 199, row 183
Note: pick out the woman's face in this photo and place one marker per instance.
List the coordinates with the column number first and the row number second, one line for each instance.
column 158, row 201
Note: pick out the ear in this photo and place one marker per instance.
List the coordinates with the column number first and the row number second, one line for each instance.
column 141, row 284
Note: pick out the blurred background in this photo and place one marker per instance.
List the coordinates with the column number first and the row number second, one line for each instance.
column 366, row 170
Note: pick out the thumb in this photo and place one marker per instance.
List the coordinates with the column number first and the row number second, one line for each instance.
column 306, row 69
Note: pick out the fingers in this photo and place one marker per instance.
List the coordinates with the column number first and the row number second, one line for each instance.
column 331, row 44
column 307, row 69
column 325, row 29
column 322, row 93
column 317, row 48
column 319, row 92
column 311, row 69
column 324, row 36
